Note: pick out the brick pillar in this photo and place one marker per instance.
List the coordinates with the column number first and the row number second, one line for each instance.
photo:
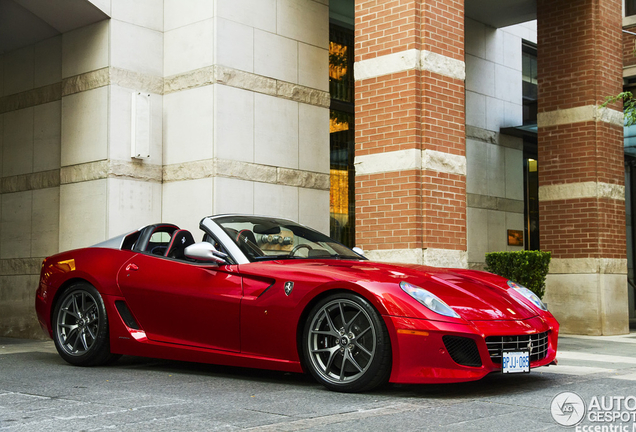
column 581, row 174
column 410, row 138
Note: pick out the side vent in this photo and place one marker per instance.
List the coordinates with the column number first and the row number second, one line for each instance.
column 126, row 315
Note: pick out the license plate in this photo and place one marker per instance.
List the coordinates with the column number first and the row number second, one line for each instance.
column 515, row 362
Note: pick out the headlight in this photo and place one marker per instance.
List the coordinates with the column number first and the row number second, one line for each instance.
column 429, row 300
column 534, row 299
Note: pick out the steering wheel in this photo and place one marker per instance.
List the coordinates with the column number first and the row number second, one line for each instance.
column 300, row 246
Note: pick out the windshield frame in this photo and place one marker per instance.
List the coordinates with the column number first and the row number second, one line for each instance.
column 219, row 223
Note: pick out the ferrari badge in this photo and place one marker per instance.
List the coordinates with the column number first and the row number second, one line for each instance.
column 289, row 286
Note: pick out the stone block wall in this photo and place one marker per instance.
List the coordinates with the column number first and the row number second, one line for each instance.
column 258, row 142
column 239, row 113
column 103, row 191
column 494, row 177
column 30, row 124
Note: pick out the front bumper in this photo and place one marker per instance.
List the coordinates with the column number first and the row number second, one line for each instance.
column 421, row 353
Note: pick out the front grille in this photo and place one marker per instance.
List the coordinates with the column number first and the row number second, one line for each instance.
column 497, row 344
column 462, row 350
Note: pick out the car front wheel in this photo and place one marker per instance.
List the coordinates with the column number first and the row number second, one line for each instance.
column 80, row 327
column 346, row 345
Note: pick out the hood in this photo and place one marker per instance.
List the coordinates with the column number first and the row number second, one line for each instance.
column 476, row 298
column 475, row 295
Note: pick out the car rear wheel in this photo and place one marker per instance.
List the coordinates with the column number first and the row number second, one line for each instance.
column 346, row 345
column 80, row 327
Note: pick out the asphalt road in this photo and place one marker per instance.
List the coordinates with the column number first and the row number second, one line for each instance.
column 40, row 392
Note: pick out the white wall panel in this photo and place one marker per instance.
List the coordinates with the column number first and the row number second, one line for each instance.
column 48, row 62
column 185, row 203
column 85, row 49
column 18, row 70
column 189, row 47
column 45, row 218
column 136, row 48
column 260, row 14
column 276, row 200
column 233, row 196
column 17, row 143
column 83, row 214
column 15, row 225
column 132, row 204
column 234, row 45
column 85, row 127
column 275, row 56
column 234, row 124
column 188, row 130
column 47, row 133
column 276, row 136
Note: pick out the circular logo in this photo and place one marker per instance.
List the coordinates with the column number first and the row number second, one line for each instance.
column 567, row 409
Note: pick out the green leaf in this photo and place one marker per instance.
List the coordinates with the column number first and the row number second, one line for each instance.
column 629, row 106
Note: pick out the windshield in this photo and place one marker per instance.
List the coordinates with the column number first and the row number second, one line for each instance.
column 262, row 238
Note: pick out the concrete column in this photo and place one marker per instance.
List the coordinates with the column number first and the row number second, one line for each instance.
column 246, row 110
column 581, row 174
column 103, row 190
column 410, row 131
column 30, row 92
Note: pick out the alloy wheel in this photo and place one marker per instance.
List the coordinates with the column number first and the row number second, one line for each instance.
column 341, row 341
column 77, row 323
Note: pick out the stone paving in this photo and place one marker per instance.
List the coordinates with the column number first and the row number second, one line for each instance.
column 40, row 392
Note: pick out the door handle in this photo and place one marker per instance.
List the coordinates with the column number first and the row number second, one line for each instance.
column 132, row 266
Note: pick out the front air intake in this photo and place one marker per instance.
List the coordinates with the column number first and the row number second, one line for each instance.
column 462, row 350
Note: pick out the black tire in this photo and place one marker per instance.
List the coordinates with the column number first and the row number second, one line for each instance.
column 346, row 345
column 80, row 327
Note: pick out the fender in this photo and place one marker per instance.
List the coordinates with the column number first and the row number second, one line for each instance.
column 97, row 266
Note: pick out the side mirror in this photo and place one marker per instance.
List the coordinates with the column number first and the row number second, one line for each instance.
column 204, row 251
column 358, row 251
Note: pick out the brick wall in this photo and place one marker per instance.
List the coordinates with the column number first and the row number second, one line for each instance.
column 422, row 110
column 443, row 27
column 444, row 202
column 585, row 228
column 580, row 63
column 392, row 207
column 386, row 27
column 629, row 47
column 579, row 52
column 580, row 153
column 388, row 113
column 443, row 114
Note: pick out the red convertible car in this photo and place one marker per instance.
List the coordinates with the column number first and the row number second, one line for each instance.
column 269, row 293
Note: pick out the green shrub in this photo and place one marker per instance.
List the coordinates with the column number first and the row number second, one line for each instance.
column 528, row 268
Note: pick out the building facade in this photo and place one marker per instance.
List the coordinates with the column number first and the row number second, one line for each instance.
column 423, row 132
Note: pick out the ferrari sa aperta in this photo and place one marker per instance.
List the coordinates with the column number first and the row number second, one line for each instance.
column 269, row 293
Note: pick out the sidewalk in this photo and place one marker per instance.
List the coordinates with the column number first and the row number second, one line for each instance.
column 15, row 346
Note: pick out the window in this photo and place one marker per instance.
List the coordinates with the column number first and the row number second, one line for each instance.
column 342, row 137
column 531, row 192
column 530, row 82
column 630, row 7
column 530, row 163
